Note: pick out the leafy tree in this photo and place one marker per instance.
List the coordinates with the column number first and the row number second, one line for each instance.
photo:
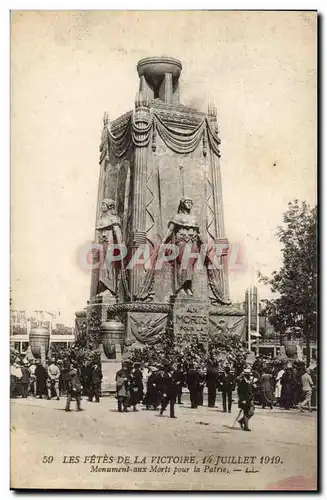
column 294, row 311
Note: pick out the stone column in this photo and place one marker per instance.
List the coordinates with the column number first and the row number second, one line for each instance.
column 141, row 138
column 144, row 87
column 95, row 255
column 168, row 88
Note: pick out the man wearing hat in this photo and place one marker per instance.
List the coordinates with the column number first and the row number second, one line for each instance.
column 74, row 386
column 122, row 387
column 136, row 385
column 168, row 389
column 193, row 384
column 228, row 385
column 245, row 398
column 25, row 380
column 95, row 381
column 212, row 382
column 53, row 379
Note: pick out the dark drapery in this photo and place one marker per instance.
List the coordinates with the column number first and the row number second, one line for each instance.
column 180, row 141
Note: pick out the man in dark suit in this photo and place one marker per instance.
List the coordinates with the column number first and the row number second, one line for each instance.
column 228, row 385
column 136, row 385
column 25, row 380
column 40, row 379
column 179, row 379
column 245, row 397
column 168, row 390
column 95, row 382
column 193, row 384
column 211, row 381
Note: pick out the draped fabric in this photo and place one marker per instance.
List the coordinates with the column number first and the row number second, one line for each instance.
column 214, row 140
column 179, row 141
column 138, row 133
column 121, row 142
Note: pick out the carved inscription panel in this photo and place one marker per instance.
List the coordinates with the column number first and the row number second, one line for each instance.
column 191, row 320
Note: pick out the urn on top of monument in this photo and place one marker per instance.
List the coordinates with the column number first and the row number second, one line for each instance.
column 159, row 78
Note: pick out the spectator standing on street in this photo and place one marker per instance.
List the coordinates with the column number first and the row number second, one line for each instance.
column 193, row 384
column 136, row 386
column 202, row 381
column 74, row 387
column 307, row 386
column 122, row 388
column 212, row 381
column 152, row 396
column 168, row 390
column 266, row 384
column 179, row 378
column 86, row 374
column 245, row 397
column 15, row 379
column 25, row 380
column 40, row 379
column 228, row 386
column 53, row 379
column 96, row 378
column 287, row 392
column 32, row 387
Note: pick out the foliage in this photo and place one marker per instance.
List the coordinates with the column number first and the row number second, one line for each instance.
column 78, row 353
column 294, row 311
column 222, row 349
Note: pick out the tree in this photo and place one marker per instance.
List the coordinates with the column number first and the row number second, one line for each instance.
column 294, row 311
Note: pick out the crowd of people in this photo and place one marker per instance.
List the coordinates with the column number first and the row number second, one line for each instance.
column 56, row 379
column 157, row 379
column 267, row 383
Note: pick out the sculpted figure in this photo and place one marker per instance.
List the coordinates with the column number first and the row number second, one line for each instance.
column 184, row 230
column 109, row 229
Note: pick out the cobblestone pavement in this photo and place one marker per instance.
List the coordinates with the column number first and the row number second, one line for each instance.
column 205, row 451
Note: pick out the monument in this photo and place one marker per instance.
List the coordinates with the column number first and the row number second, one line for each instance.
column 160, row 252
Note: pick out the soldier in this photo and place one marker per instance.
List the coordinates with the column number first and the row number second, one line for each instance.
column 168, row 389
column 122, row 387
column 245, row 396
column 228, row 386
column 74, row 386
column 53, row 379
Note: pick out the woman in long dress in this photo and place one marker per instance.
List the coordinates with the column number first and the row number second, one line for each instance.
column 267, row 389
column 287, row 393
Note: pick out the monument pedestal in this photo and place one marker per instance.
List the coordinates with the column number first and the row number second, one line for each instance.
column 191, row 320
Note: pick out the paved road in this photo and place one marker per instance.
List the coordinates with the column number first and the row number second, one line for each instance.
column 41, row 428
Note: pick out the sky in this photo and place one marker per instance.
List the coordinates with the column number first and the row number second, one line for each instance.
column 68, row 68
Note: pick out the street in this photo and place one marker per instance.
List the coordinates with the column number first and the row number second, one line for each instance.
column 197, row 451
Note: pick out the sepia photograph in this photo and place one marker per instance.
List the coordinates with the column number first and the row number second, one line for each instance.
column 164, row 256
